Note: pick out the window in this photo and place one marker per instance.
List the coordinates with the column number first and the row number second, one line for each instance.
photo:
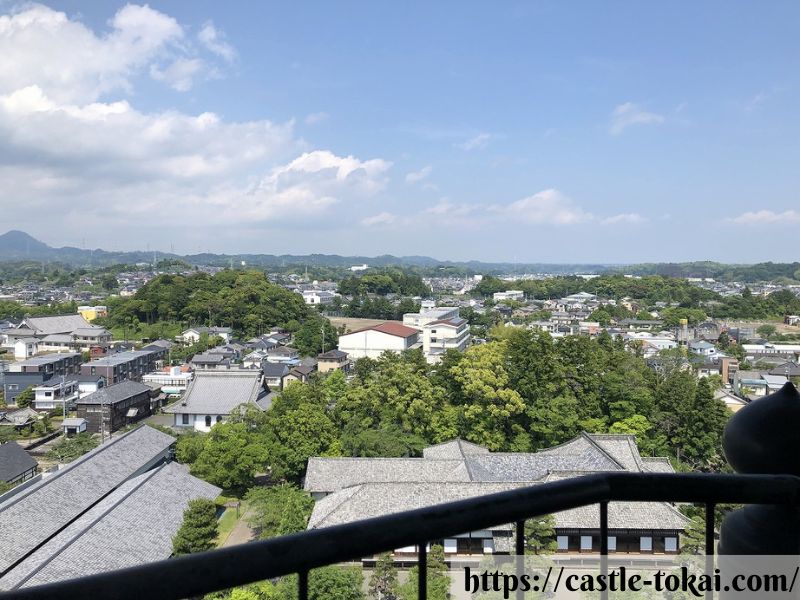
column 670, row 544
column 219, row 418
column 612, row 543
column 586, row 542
column 563, row 542
column 185, row 419
column 645, row 544
column 208, row 420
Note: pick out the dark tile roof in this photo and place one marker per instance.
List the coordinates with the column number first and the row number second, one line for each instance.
column 14, row 461
column 31, row 517
column 135, row 524
column 118, row 392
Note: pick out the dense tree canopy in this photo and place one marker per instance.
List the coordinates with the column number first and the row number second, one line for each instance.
column 243, row 300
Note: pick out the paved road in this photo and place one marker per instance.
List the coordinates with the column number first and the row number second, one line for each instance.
column 240, row 534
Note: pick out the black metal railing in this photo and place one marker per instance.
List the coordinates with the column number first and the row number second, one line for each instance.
column 198, row 574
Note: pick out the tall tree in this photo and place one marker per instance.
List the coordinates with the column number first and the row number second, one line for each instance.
column 198, row 532
column 383, row 583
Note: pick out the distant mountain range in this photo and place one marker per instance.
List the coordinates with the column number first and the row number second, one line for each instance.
column 20, row 246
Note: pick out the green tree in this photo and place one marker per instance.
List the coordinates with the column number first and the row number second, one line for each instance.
column 231, row 457
column 278, row 510
column 309, row 338
column 491, row 414
column 25, row 397
column 189, row 446
column 540, row 535
column 383, row 583
column 198, row 532
column 767, row 330
column 437, row 578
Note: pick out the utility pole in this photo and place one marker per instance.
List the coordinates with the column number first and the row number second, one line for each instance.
column 322, row 328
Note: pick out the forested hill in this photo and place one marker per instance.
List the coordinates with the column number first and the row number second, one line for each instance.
column 767, row 271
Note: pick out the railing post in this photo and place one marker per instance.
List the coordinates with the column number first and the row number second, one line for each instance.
column 519, row 535
column 302, row 585
column 422, row 565
column 604, row 546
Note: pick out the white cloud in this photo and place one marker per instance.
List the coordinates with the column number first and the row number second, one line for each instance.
column 767, row 217
column 629, row 218
column 629, row 114
column 445, row 207
column 384, row 218
column 417, row 176
column 180, row 74
column 214, row 41
column 548, row 207
column 68, row 151
column 315, row 118
column 43, row 47
column 476, row 142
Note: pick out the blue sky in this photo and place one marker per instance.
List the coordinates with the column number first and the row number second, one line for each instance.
column 531, row 131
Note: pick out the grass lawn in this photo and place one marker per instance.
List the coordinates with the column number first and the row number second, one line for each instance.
column 228, row 521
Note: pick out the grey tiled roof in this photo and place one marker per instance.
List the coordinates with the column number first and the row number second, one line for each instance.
column 331, row 474
column 56, row 324
column 621, row 515
column 377, row 499
column 457, row 449
column 133, row 525
column 31, row 516
column 657, row 464
column 118, row 392
column 14, row 461
column 360, row 488
column 219, row 392
column 274, row 369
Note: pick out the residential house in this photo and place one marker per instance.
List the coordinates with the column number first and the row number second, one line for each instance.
column 16, row 465
column 213, row 395
column 333, row 360
column 192, row 335
column 373, row 341
column 115, row 406
column 14, row 383
column 88, row 384
column 66, row 332
column 118, row 506
column 283, row 355
column 57, row 392
column 299, row 373
column 25, row 348
column 210, row 362
column 21, row 419
column 702, row 348
column 274, row 374
column 350, row 489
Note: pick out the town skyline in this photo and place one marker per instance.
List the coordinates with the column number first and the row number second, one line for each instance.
column 519, row 133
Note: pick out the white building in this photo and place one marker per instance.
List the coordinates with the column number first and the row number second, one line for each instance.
column 703, row 348
column 373, row 341
column 24, row 348
column 422, row 318
column 54, row 393
column 192, row 336
column 516, row 295
column 318, row 297
column 213, row 395
column 171, row 380
column 445, row 334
